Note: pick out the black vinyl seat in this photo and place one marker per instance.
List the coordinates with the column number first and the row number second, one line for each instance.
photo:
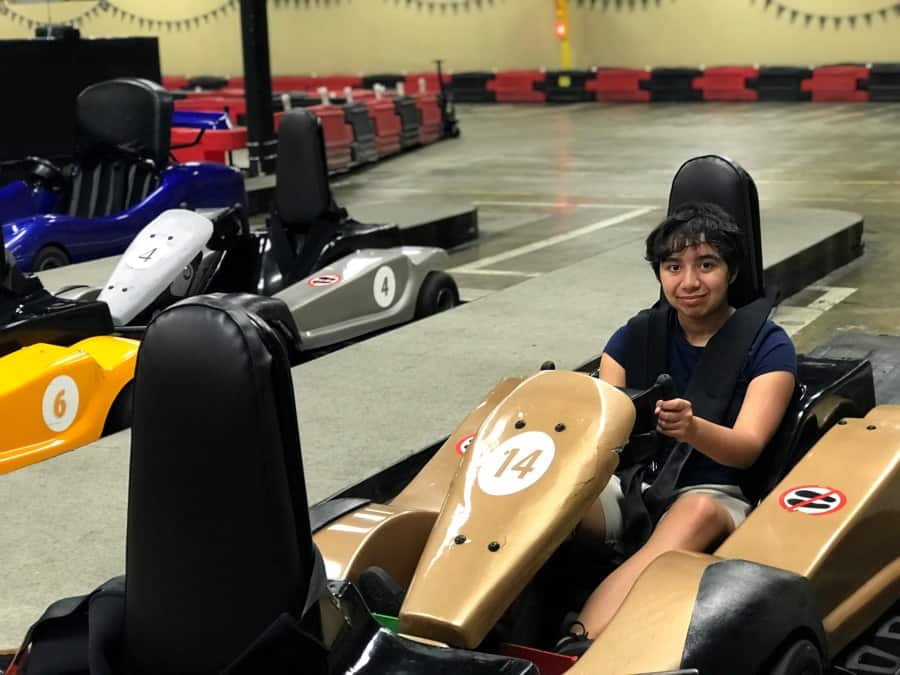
column 29, row 314
column 816, row 405
column 307, row 228
column 124, row 129
column 218, row 541
column 721, row 181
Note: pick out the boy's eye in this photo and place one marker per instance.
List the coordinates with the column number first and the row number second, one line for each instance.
column 672, row 267
column 708, row 265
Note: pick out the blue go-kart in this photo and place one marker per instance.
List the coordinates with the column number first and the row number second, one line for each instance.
column 119, row 180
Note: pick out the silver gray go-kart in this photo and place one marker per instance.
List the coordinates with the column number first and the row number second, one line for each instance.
column 340, row 278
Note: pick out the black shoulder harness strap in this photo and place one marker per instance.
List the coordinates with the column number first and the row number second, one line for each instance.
column 710, row 392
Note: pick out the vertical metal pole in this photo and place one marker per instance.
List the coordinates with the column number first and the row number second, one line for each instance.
column 261, row 142
column 562, row 32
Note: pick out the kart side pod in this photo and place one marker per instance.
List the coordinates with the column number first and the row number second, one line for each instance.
column 537, row 463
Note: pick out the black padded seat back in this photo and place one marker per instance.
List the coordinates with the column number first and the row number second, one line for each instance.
column 302, row 192
column 124, row 131
column 127, row 114
column 100, row 187
column 219, row 541
column 721, row 181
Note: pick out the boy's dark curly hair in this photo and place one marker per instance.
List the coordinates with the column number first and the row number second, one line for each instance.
column 691, row 224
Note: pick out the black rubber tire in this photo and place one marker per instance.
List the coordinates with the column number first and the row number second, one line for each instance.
column 48, row 258
column 120, row 412
column 437, row 293
column 800, row 658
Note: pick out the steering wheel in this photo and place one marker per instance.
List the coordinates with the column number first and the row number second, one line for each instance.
column 45, row 173
column 644, row 441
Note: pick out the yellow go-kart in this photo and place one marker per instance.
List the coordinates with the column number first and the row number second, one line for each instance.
column 59, row 398
column 64, row 374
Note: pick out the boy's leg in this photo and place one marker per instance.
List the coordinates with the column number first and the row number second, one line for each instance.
column 693, row 523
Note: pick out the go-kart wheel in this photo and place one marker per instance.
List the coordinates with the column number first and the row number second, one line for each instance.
column 120, row 412
column 437, row 293
column 48, row 258
column 801, row 658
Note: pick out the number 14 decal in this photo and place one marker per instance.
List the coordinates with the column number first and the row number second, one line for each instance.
column 523, row 467
column 517, row 463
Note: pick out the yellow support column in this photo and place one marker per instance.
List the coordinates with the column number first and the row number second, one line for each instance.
column 562, row 32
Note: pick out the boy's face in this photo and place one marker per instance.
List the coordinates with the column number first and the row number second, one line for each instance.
column 695, row 281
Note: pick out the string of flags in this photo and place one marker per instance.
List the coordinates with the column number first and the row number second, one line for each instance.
column 786, row 11
column 30, row 23
column 112, row 8
column 619, row 4
column 440, row 5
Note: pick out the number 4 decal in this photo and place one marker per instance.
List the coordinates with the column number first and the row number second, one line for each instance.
column 149, row 254
column 384, row 287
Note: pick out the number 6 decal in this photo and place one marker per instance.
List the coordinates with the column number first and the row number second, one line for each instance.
column 517, row 463
column 60, row 404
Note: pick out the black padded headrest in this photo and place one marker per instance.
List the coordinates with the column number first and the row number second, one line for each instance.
column 302, row 193
column 219, row 541
column 129, row 114
column 724, row 182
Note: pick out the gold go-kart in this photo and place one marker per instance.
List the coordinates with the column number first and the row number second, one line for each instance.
column 471, row 538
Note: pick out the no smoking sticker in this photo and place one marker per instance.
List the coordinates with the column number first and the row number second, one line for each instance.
column 812, row 500
column 464, row 444
column 322, row 280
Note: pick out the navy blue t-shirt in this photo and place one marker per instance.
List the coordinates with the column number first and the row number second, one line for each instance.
column 771, row 351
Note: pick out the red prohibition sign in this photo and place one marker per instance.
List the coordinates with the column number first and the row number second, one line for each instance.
column 812, row 500
column 323, row 280
column 464, row 444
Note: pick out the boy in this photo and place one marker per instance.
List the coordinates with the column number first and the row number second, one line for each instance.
column 695, row 254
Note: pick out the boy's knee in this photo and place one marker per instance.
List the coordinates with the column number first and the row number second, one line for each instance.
column 704, row 513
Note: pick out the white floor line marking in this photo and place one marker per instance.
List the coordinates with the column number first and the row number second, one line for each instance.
column 490, row 202
column 795, row 319
column 551, row 241
column 496, row 273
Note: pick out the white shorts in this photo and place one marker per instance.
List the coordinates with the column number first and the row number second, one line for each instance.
column 612, row 498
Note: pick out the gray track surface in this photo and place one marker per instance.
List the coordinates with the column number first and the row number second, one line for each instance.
column 360, row 408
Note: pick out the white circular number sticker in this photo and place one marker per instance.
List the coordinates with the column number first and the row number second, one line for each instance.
column 517, row 463
column 60, row 404
column 385, row 286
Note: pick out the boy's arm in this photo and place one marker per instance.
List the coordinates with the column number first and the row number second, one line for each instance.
column 764, row 405
column 611, row 371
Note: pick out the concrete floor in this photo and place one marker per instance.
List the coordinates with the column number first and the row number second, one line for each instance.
column 540, row 171
column 582, row 175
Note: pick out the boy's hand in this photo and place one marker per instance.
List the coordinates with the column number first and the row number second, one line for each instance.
column 675, row 418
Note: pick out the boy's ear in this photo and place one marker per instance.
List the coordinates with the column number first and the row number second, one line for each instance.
column 734, row 275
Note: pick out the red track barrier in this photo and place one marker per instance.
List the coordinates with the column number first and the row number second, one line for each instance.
column 619, row 84
column 837, row 83
column 171, row 82
column 727, row 83
column 213, row 145
column 517, row 86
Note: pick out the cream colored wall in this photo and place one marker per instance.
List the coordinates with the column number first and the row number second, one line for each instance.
column 385, row 35
column 352, row 37
column 723, row 32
